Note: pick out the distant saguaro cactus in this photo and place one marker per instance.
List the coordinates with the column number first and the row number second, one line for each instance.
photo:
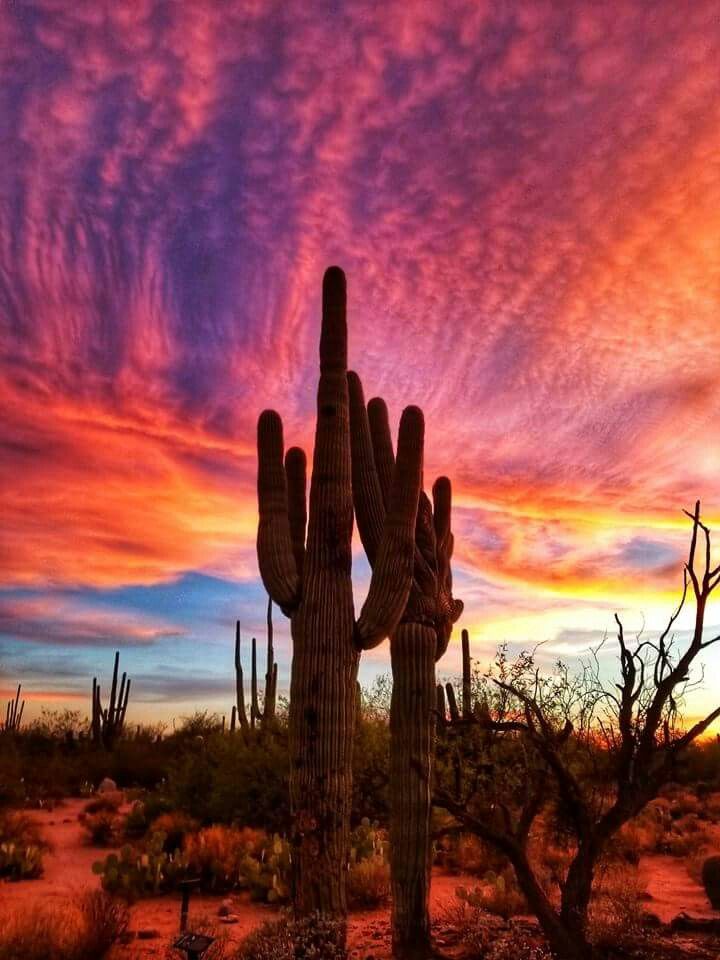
column 107, row 725
column 267, row 714
column 14, row 712
column 419, row 640
column 310, row 580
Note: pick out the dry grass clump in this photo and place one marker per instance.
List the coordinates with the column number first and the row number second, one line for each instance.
column 85, row 930
column 368, row 883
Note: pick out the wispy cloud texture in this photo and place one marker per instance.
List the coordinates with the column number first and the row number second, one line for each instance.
column 526, row 198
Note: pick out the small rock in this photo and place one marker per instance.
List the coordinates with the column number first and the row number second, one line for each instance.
column 225, row 908
column 229, row 918
column 107, row 786
column 147, row 934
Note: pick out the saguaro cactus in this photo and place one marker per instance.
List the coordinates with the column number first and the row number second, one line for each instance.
column 420, row 639
column 310, row 580
column 14, row 712
column 267, row 714
column 107, row 725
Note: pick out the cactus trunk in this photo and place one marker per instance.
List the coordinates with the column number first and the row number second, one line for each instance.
column 413, row 648
column 325, row 660
column 311, row 583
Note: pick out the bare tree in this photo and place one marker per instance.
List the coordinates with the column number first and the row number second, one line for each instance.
column 597, row 751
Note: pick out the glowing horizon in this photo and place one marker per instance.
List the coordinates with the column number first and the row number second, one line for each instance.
column 527, row 205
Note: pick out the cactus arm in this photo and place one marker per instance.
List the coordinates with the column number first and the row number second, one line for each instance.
column 467, row 676
column 367, row 493
column 296, row 473
column 449, row 608
column 121, row 724
column 392, row 574
column 452, row 703
column 382, row 445
column 239, row 681
column 254, row 706
column 440, row 703
column 276, row 560
column 113, row 689
column 270, row 668
column 121, row 695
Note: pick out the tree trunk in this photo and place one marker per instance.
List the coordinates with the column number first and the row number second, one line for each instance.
column 412, row 733
column 577, row 891
column 565, row 942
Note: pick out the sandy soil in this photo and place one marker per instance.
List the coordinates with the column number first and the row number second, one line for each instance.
column 68, row 872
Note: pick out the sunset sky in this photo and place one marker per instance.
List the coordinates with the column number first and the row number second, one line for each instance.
column 525, row 197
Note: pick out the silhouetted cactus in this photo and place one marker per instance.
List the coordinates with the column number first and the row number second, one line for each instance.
column 267, row 714
column 311, row 583
column 419, row 640
column 14, row 712
column 711, row 880
column 107, row 725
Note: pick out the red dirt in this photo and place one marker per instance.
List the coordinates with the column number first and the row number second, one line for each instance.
column 68, row 872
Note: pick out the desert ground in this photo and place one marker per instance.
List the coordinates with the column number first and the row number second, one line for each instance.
column 154, row 924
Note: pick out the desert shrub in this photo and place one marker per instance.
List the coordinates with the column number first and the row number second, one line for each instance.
column 711, row 807
column 518, row 945
column 176, row 826
column 689, row 835
column 369, row 875
column 465, row 853
column 215, row 854
column 483, row 936
column 314, row 938
column 616, row 912
column 267, row 876
column 497, row 893
column 228, row 779
column 101, row 828
column 134, row 824
column 104, row 802
column 85, row 930
column 21, row 846
column 680, row 800
column 21, row 828
column 368, row 883
column 371, row 761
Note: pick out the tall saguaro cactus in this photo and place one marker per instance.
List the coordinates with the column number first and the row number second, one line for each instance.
column 309, row 578
column 107, row 725
column 267, row 714
column 419, row 640
column 14, row 713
